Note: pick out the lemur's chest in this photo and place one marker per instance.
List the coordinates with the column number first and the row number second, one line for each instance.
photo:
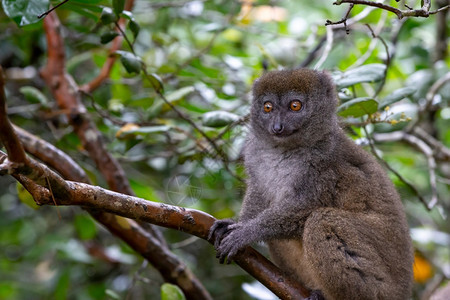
column 275, row 175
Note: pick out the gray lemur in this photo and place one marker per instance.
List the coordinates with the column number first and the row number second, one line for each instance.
column 330, row 215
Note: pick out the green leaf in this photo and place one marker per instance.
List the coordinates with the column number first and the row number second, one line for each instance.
column 134, row 27
column 25, row 12
column 108, row 37
column 156, row 82
column 171, row 292
column 25, row 197
column 397, row 95
column 107, row 17
column 144, row 190
column 365, row 73
column 8, row 290
column 34, row 95
column 151, row 129
column 75, row 250
column 218, row 118
column 174, row 97
column 131, row 62
column 127, row 15
column 180, row 93
column 118, row 6
column 62, row 286
column 112, row 294
column 358, row 107
column 85, row 227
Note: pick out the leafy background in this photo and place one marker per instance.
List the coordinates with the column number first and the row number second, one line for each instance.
column 205, row 55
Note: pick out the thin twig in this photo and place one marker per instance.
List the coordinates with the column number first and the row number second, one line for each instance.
column 313, row 53
column 422, row 12
column 327, row 50
column 343, row 20
column 199, row 54
column 53, row 197
column 399, row 176
column 355, row 19
column 424, row 148
column 119, row 28
column 429, row 97
column 52, row 9
column 373, row 44
column 434, row 89
column 388, row 60
column 441, row 152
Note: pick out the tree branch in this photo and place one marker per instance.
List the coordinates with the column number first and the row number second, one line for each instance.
column 434, row 89
column 328, row 48
column 195, row 222
column 424, row 148
column 7, row 136
column 399, row 176
column 387, row 63
column 429, row 97
column 441, row 152
column 424, row 11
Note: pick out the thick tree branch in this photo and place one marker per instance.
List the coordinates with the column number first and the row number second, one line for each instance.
column 184, row 219
column 7, row 136
column 99, row 200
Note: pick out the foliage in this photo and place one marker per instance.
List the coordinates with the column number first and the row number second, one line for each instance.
column 200, row 57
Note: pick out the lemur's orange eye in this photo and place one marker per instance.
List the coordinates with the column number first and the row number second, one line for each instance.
column 268, row 106
column 295, row 105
